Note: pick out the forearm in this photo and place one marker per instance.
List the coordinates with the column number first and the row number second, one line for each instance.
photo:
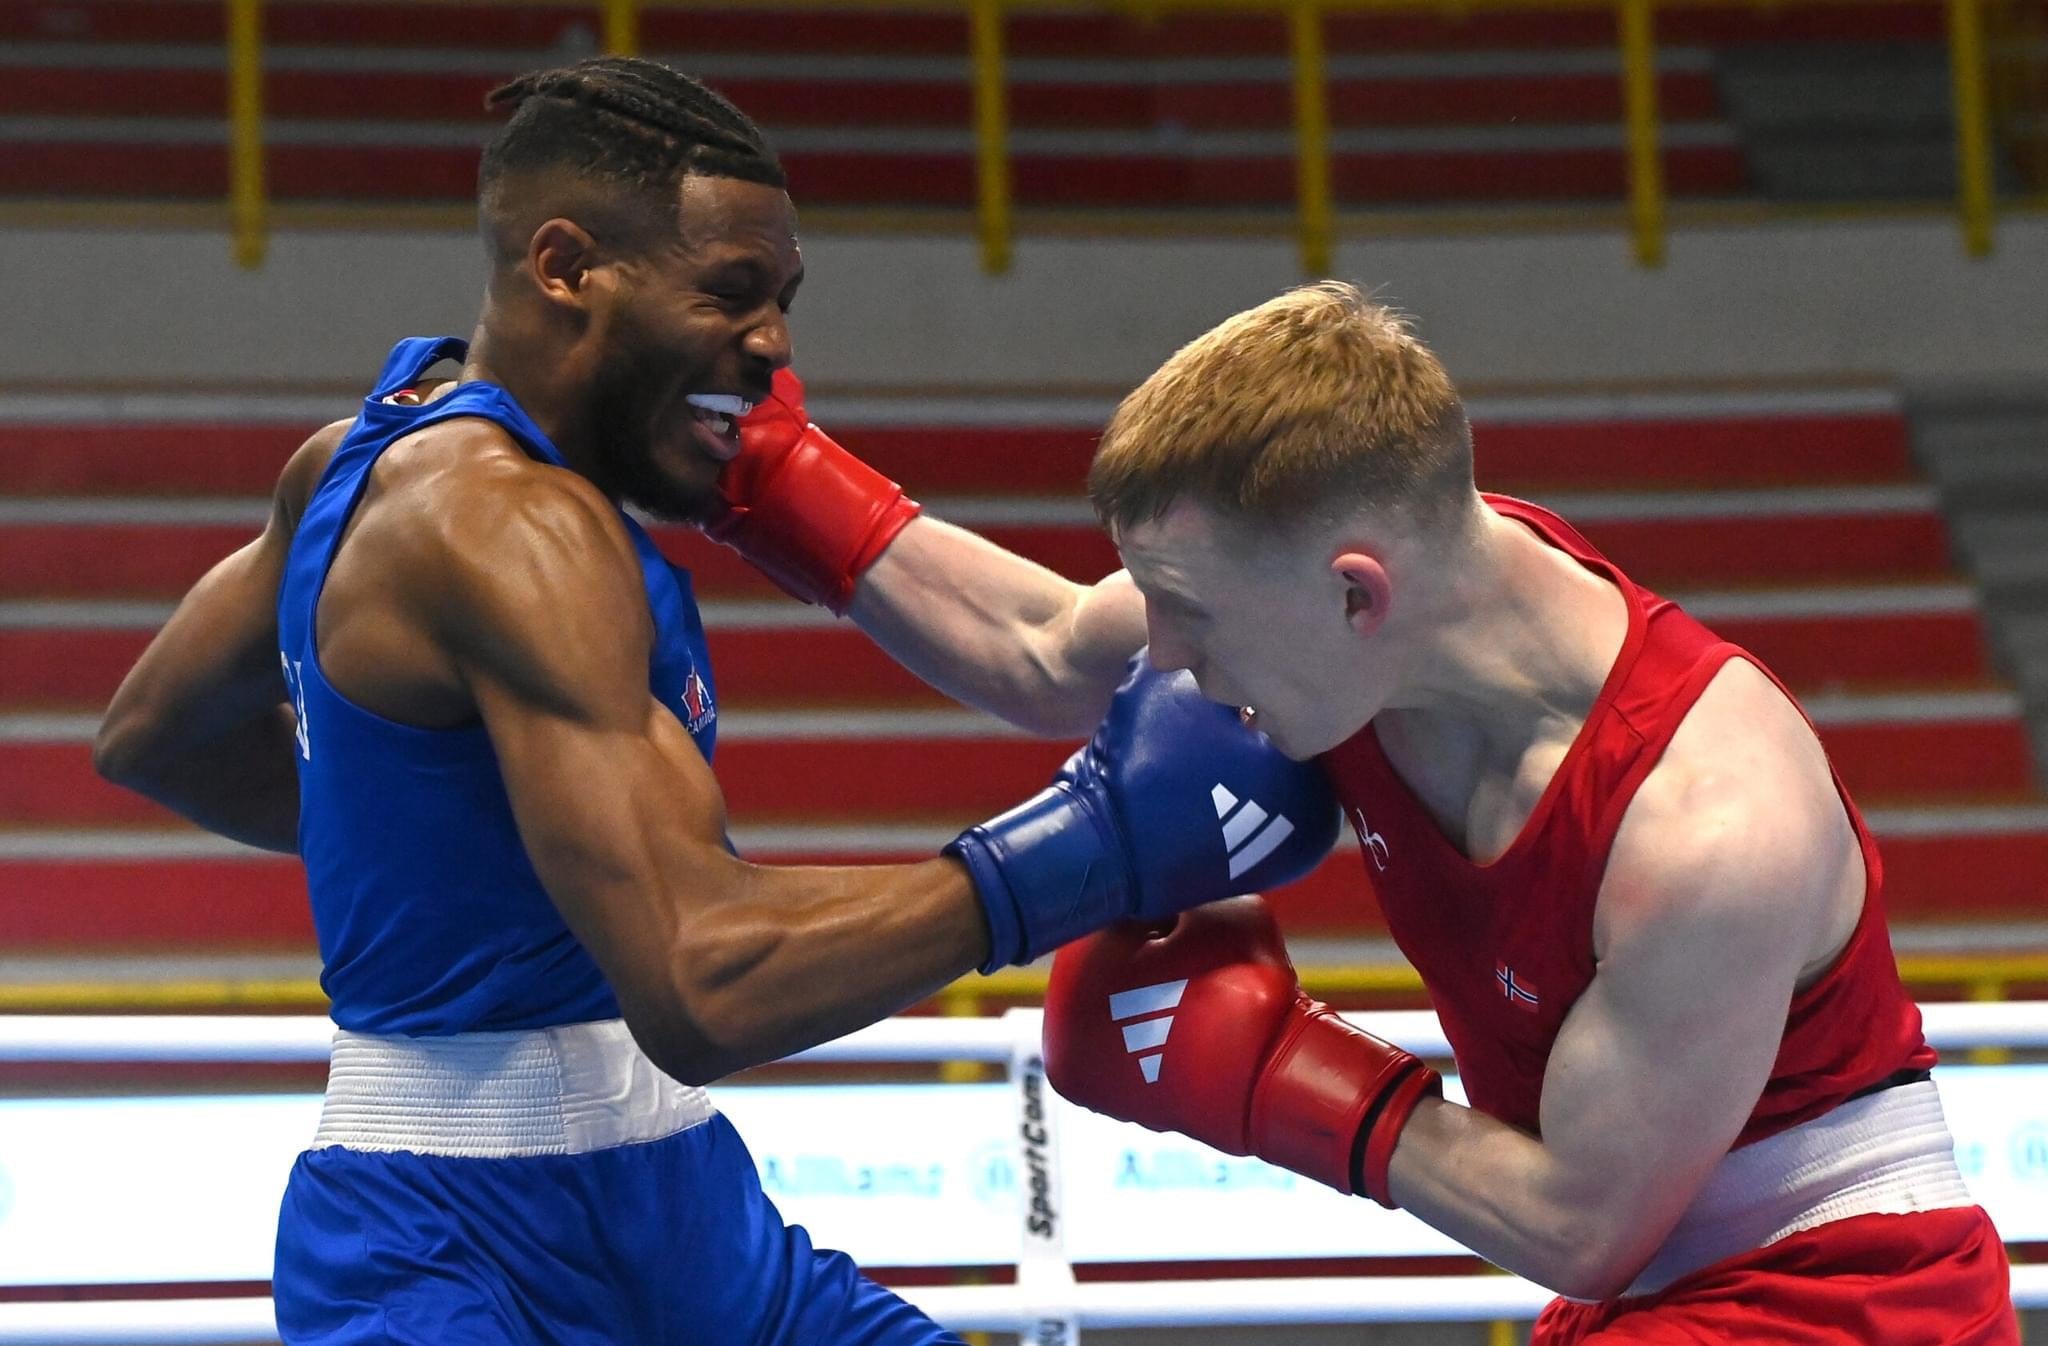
column 1502, row 1193
column 798, row 956
column 241, row 783
column 999, row 632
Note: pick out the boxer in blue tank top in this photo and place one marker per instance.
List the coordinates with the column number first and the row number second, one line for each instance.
column 458, row 679
column 433, row 923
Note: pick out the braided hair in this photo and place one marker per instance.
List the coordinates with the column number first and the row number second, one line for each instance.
column 623, row 122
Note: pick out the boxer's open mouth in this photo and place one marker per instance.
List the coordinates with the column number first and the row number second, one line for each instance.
column 718, row 416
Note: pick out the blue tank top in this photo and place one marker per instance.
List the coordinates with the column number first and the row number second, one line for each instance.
column 430, row 917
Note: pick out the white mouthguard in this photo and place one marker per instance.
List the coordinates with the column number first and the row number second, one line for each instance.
column 725, row 404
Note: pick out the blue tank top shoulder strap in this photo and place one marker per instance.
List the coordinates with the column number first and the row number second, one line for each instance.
column 680, row 668
column 430, row 916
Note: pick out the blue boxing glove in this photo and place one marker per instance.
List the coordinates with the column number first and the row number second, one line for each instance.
column 1171, row 804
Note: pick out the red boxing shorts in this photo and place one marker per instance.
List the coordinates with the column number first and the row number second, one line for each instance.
column 1932, row 1278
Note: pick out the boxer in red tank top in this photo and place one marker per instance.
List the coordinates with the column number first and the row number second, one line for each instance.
column 1651, row 919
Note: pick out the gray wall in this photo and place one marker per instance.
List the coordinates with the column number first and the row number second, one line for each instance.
column 1892, row 299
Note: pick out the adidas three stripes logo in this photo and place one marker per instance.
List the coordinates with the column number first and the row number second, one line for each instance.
column 1146, row 1038
column 1250, row 834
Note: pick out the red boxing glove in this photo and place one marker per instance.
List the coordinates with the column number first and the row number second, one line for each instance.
column 1205, row 1030
column 805, row 512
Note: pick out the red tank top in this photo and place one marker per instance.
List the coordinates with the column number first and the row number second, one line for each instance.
column 1505, row 948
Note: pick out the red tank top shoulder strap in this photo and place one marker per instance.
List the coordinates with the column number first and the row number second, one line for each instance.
column 1551, row 527
column 1661, row 671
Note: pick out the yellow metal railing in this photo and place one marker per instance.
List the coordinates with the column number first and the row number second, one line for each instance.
column 1312, row 137
column 1315, row 215
column 1645, row 158
column 622, row 27
column 1987, row 976
column 247, row 198
column 1974, row 169
column 991, row 134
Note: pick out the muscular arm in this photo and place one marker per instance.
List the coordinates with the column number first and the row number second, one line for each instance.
column 718, row 964
column 996, row 631
column 201, row 724
column 1719, row 889
column 982, row 625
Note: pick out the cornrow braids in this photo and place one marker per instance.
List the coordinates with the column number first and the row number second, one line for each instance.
column 622, row 120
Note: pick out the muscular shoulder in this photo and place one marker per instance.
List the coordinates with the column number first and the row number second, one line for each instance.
column 494, row 546
column 1739, row 823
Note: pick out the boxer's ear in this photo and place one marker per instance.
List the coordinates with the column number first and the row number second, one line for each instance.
column 1368, row 592
column 562, row 257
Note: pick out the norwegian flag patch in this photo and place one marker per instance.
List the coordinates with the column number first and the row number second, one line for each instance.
column 1514, row 989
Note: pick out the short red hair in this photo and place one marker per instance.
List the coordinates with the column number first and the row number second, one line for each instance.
column 1317, row 399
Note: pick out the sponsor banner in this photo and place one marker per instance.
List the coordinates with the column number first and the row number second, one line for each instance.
column 130, row 1190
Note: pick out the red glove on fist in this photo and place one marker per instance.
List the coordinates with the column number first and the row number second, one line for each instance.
column 805, row 512
column 1205, row 1030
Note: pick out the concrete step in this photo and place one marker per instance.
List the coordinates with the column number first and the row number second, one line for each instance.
column 838, row 169
column 866, row 766
column 2006, row 550
column 177, row 891
column 235, row 445
column 1887, row 86
column 1872, row 122
column 566, row 31
column 796, row 91
column 1986, row 448
column 72, row 654
column 1859, row 535
column 1996, row 464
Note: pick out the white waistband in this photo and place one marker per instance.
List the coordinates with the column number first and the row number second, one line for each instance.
column 564, row 1090
column 1889, row 1153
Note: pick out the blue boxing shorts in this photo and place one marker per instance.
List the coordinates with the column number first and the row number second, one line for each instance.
column 548, row 1187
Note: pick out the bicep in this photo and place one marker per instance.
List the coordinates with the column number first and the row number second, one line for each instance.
column 616, row 815
column 1661, row 1062
column 1657, row 1068
column 616, row 807
column 998, row 631
column 1106, row 629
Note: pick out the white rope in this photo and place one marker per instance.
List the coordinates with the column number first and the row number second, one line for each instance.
column 1287, row 1301
column 165, row 1037
column 1280, row 1301
column 291, row 1039
column 143, row 1322
column 304, row 1038
column 964, row 1308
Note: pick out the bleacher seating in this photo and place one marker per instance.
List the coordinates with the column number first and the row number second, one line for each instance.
column 1794, row 524
column 382, row 102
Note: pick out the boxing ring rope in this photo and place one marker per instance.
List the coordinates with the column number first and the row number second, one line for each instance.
column 1301, row 1301
column 1046, row 1303
column 304, row 1039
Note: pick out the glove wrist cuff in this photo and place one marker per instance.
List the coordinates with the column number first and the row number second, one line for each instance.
column 1381, row 1130
column 1334, row 1099
column 818, row 522
column 1045, row 875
